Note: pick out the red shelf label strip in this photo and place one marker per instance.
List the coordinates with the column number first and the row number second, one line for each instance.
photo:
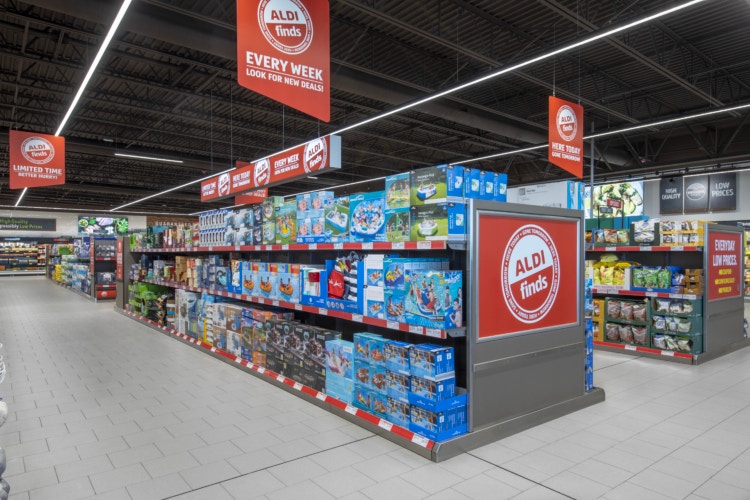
column 649, row 350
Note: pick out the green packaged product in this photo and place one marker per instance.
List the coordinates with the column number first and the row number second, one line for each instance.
column 663, row 278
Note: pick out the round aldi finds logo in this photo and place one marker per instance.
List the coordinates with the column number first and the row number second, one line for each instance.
column 530, row 273
column 262, row 172
column 286, row 25
column 315, row 155
column 567, row 123
column 696, row 191
column 37, row 150
column 223, row 184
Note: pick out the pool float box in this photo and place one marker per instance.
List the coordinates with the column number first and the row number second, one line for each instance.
column 268, row 208
column 337, row 220
column 441, row 221
column 367, row 217
column 436, row 184
column 286, row 223
column 397, row 224
column 312, row 205
column 434, row 299
column 312, row 230
column 397, row 190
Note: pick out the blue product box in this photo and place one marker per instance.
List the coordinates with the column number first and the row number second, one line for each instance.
column 435, row 299
column 397, row 386
column 501, row 187
column 256, row 216
column 471, row 183
column 362, row 397
column 487, row 185
column 397, row 357
column 398, row 412
column 312, row 230
column 323, row 300
column 395, row 305
column 436, row 184
column 364, row 343
column 397, row 190
column 286, row 223
column 319, row 201
column 337, row 220
column 394, row 270
column 374, row 270
column 375, row 302
column 235, row 276
column 397, row 224
column 431, row 361
column 339, row 387
column 440, row 221
column 379, row 404
column 370, row 375
column 267, row 281
column 427, row 393
column 221, row 279
column 340, row 359
column 246, row 332
column 289, row 283
column 438, row 426
column 269, row 232
column 367, row 216
column 315, row 351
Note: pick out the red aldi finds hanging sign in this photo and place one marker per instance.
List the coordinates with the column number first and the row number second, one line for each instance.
column 283, row 52
column 566, row 136
column 311, row 158
column 36, row 159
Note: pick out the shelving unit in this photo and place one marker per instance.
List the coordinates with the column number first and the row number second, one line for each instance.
column 721, row 319
column 498, row 387
column 102, row 268
column 22, row 259
column 747, row 265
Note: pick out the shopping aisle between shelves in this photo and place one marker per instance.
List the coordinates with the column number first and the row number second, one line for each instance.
column 102, row 406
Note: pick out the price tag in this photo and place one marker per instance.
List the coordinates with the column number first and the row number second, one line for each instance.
column 420, row 440
column 298, row 386
column 275, row 303
column 630, row 348
column 690, row 297
column 668, row 353
column 238, row 359
column 367, row 246
column 351, row 409
column 268, row 247
column 357, row 317
column 678, row 249
column 213, row 349
column 610, row 249
column 416, row 329
column 433, row 332
column 261, row 370
column 338, row 246
column 236, row 248
column 322, row 310
column 261, row 300
column 393, row 325
column 285, row 247
column 280, row 378
column 312, row 246
column 297, row 307
column 210, row 248
column 652, row 294
column 321, row 396
column 399, row 245
column 424, row 245
column 384, row 424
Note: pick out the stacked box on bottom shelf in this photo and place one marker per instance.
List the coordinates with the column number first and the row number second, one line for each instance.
column 339, row 369
column 438, row 409
column 397, row 382
column 370, row 373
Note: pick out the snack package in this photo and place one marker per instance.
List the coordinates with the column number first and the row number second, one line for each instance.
column 613, row 309
column 626, row 334
column 659, row 341
column 626, row 311
column 639, row 312
column 640, row 335
column 612, row 332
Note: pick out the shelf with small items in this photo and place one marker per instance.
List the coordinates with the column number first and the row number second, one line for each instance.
column 377, row 245
column 613, row 290
column 663, row 248
column 356, row 318
column 644, row 350
column 331, row 403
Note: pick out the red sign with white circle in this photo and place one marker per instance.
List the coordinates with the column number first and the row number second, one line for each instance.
column 565, row 126
column 36, row 159
column 529, row 279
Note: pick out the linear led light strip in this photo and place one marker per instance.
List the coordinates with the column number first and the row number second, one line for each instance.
column 85, row 82
column 152, row 158
column 503, row 71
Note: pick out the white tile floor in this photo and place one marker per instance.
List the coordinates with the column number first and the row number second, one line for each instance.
column 103, row 407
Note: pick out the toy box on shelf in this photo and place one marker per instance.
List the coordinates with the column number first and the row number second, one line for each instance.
column 397, row 191
column 311, row 216
column 286, row 223
column 340, row 369
column 337, row 220
column 434, row 299
column 472, row 185
column 397, row 224
column 438, row 221
column 331, row 290
column 367, row 217
column 436, row 184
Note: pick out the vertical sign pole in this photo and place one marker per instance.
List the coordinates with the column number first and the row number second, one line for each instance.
column 591, row 177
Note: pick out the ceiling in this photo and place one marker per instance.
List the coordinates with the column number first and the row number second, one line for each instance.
column 167, row 87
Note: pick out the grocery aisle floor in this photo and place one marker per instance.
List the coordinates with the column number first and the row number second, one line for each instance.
column 103, row 407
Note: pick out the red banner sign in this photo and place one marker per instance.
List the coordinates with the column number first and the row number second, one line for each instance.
column 310, row 158
column 529, row 274
column 256, row 196
column 724, row 265
column 283, row 52
column 36, row 159
column 118, row 254
column 566, row 136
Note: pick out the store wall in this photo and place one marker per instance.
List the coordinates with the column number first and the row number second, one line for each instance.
column 67, row 223
column 651, row 203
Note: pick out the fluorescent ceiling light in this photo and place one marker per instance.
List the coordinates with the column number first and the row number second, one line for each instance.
column 151, row 158
column 21, row 197
column 99, row 55
column 489, row 76
column 173, row 189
